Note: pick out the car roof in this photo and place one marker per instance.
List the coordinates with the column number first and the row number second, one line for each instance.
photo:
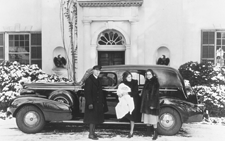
column 134, row 67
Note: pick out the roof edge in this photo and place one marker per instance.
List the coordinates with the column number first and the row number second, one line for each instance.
column 111, row 3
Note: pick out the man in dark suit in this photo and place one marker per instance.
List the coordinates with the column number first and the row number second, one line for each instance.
column 94, row 102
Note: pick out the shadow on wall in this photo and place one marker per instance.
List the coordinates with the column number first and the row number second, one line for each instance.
column 60, row 62
column 162, row 56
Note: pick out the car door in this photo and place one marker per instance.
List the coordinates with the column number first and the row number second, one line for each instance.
column 109, row 82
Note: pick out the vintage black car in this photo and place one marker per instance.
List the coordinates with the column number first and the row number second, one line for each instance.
column 43, row 102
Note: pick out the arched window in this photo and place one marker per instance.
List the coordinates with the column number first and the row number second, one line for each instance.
column 111, row 37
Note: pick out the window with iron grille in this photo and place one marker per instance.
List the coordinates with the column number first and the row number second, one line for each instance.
column 213, row 46
column 19, row 48
column 24, row 48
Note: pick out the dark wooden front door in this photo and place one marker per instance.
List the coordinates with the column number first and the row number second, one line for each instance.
column 111, row 58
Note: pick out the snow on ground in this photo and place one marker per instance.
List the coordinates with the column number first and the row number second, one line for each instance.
column 189, row 132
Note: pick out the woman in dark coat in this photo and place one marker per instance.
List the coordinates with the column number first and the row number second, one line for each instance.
column 133, row 84
column 150, row 101
column 94, row 102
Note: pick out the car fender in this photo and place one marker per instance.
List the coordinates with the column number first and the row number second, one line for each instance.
column 52, row 110
column 67, row 93
column 179, row 105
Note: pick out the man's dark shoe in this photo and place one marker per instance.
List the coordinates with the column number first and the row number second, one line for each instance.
column 93, row 137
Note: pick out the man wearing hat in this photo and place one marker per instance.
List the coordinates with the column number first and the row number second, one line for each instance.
column 94, row 102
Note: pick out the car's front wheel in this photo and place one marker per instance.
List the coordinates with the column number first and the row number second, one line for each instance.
column 169, row 121
column 30, row 119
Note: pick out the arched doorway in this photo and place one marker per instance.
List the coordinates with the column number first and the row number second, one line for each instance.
column 111, row 48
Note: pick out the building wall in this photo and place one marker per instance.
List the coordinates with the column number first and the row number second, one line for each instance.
column 177, row 25
column 92, row 21
column 161, row 25
column 157, row 27
column 53, row 34
column 203, row 14
column 20, row 15
column 165, row 27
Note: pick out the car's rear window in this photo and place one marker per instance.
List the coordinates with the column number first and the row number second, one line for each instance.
column 168, row 78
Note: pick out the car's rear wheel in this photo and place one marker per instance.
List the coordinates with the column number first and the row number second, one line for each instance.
column 30, row 119
column 169, row 121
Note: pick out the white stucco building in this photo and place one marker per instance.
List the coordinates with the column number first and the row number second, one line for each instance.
column 113, row 32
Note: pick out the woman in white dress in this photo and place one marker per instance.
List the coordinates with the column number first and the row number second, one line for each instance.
column 150, row 102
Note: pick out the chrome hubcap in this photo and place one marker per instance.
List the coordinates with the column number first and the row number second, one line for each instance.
column 167, row 121
column 31, row 119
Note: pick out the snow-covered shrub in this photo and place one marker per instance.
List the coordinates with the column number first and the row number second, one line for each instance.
column 4, row 115
column 12, row 75
column 208, row 82
column 213, row 97
column 202, row 74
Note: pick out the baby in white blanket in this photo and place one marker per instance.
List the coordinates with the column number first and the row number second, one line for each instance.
column 126, row 103
column 123, row 90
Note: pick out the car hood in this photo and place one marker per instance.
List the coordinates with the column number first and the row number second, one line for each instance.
column 52, row 86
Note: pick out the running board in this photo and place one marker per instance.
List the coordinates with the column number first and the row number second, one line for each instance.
column 106, row 122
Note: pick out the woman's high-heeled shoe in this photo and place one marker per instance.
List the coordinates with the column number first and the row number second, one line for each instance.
column 130, row 136
column 155, row 135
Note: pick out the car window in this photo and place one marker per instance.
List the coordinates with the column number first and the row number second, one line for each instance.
column 139, row 77
column 168, row 78
column 108, row 78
